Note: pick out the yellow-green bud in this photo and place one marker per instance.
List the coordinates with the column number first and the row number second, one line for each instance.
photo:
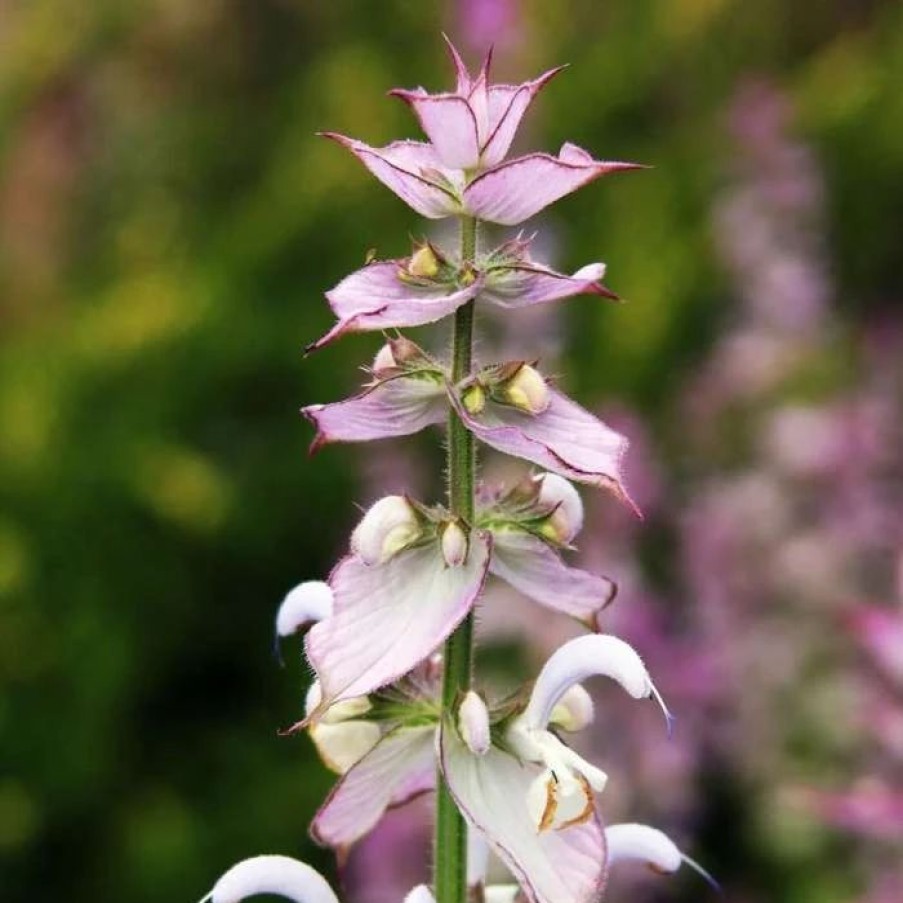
column 474, row 399
column 390, row 525
column 527, row 390
column 424, row 262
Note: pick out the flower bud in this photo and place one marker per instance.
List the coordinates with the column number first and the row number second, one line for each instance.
column 526, row 390
column 396, row 354
column 454, row 543
column 389, row 526
column 384, row 362
column 574, row 711
column 341, row 746
column 473, row 724
column 341, row 739
column 424, row 262
column 565, row 521
column 474, row 399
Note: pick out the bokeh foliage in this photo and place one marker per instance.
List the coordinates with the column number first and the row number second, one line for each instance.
column 168, row 224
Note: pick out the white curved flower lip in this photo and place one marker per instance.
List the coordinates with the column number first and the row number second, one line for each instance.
column 533, row 568
column 642, row 843
column 271, row 874
column 398, row 406
column 391, row 616
column 376, row 297
column 401, row 766
column 564, row 866
column 583, row 657
column 518, row 189
column 306, row 604
column 564, row 439
column 412, row 170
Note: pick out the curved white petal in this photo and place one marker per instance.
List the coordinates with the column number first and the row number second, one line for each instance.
column 280, row 875
column 644, row 843
column 399, row 767
column 563, row 866
column 307, row 603
column 584, row 657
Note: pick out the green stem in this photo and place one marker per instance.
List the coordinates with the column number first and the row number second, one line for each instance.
column 450, row 848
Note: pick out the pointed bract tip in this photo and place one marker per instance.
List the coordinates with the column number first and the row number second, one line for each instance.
column 487, row 63
column 461, row 72
column 299, row 726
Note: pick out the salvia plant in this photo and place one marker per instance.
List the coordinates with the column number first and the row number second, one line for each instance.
column 391, row 711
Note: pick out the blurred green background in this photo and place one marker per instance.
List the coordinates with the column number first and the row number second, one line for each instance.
column 168, row 225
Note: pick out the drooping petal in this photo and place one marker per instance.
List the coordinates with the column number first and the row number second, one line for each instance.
column 389, row 617
column 564, row 438
column 449, row 123
column 399, row 406
column 399, row 767
column 507, row 105
column 586, row 656
column 409, row 168
column 512, row 192
column 563, row 866
column 526, row 284
column 307, row 603
column 533, row 568
column 279, row 875
column 376, row 297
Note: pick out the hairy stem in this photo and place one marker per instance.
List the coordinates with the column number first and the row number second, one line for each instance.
column 450, row 848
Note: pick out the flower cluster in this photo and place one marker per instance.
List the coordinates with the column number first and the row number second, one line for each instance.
column 388, row 712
